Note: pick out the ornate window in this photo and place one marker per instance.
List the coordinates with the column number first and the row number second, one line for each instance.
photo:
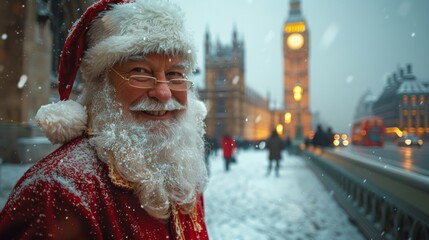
column 413, row 100
column 422, row 101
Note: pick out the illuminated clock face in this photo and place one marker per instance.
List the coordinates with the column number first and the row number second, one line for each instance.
column 295, row 41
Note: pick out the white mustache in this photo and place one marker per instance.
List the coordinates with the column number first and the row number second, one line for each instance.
column 148, row 104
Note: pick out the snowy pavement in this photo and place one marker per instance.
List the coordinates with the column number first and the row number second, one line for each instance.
column 245, row 204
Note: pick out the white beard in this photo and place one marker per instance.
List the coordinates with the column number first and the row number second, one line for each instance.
column 163, row 159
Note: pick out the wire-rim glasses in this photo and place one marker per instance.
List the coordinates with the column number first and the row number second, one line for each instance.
column 145, row 82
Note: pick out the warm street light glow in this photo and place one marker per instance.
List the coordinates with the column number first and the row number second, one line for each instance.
column 297, row 93
column 279, row 129
column 288, row 117
column 396, row 130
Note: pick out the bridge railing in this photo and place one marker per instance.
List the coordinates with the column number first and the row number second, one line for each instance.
column 384, row 201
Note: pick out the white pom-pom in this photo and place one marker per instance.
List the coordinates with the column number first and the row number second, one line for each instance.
column 62, row 121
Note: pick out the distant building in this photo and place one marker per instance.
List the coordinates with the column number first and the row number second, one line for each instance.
column 404, row 103
column 365, row 105
column 25, row 58
column 32, row 35
column 233, row 107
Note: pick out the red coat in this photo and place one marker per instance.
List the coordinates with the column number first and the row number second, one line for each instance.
column 69, row 195
column 228, row 146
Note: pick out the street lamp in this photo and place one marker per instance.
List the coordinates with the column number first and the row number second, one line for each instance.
column 279, row 129
column 297, row 96
column 288, row 119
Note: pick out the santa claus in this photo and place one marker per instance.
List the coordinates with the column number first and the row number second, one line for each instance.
column 132, row 161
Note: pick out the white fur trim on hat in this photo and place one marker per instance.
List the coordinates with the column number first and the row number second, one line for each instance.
column 62, row 121
column 136, row 28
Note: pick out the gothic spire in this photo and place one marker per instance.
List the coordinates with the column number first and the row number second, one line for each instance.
column 295, row 11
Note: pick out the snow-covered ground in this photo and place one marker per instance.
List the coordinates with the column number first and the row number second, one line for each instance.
column 245, row 204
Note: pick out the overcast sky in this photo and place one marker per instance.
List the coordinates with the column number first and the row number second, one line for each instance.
column 354, row 45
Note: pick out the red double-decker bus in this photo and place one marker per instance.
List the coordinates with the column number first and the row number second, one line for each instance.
column 368, row 131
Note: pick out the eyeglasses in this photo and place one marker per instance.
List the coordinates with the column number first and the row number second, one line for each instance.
column 144, row 81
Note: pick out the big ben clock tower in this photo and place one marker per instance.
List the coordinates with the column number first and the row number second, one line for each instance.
column 296, row 86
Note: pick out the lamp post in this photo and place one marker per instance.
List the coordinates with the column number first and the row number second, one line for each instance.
column 279, row 129
column 297, row 96
column 288, row 119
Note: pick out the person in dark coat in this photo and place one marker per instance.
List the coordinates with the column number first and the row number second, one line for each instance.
column 319, row 139
column 275, row 147
column 329, row 137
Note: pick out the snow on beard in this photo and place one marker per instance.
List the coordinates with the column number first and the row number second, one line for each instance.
column 164, row 159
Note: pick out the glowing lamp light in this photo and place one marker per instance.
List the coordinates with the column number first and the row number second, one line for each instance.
column 288, row 117
column 336, row 142
column 279, row 129
column 408, row 142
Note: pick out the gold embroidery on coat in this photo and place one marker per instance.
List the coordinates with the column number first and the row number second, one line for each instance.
column 177, row 223
column 193, row 215
column 115, row 177
column 118, row 180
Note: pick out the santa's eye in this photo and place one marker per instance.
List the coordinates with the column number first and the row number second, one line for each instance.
column 141, row 71
column 175, row 75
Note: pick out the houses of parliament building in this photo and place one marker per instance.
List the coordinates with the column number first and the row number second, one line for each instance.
column 236, row 109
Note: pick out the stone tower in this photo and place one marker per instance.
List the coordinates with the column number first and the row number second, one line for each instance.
column 225, row 86
column 296, row 43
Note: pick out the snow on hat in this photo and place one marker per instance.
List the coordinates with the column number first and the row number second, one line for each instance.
column 108, row 32
column 133, row 29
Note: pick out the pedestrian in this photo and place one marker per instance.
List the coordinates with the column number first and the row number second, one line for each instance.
column 320, row 138
column 330, row 137
column 275, row 147
column 132, row 161
column 216, row 145
column 229, row 148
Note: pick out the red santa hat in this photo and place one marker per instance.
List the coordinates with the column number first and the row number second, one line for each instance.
column 108, row 32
